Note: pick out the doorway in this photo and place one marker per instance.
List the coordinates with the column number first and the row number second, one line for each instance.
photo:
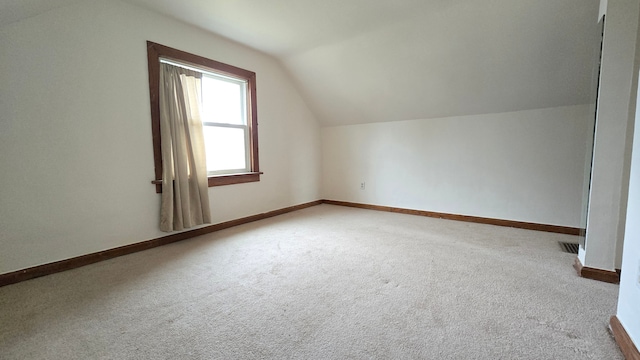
column 591, row 131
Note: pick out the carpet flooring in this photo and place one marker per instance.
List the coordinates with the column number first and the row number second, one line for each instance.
column 326, row 282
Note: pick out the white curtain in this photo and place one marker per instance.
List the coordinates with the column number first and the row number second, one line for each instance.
column 185, row 196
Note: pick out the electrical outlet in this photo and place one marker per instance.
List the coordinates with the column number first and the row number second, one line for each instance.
column 362, row 185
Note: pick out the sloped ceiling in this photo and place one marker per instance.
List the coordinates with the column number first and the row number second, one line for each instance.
column 358, row 61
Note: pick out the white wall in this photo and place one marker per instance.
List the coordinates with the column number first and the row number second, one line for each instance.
column 629, row 297
column 75, row 132
column 603, row 8
column 605, row 225
column 524, row 166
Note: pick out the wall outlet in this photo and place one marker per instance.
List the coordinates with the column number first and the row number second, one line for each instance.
column 362, row 184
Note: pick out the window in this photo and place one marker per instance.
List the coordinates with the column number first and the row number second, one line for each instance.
column 228, row 113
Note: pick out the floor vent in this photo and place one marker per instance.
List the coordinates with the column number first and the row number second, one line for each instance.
column 569, row 247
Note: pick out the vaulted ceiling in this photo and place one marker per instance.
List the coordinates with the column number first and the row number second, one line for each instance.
column 358, row 61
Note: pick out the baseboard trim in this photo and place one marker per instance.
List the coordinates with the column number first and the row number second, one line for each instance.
column 473, row 219
column 608, row 276
column 76, row 262
column 628, row 348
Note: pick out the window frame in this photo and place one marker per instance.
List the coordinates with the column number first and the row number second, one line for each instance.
column 154, row 53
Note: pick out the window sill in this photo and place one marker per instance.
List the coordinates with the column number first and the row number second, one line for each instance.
column 221, row 180
column 230, row 179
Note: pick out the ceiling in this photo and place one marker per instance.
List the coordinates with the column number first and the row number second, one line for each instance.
column 359, row 61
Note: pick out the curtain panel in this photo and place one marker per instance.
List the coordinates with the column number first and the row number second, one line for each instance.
column 185, row 191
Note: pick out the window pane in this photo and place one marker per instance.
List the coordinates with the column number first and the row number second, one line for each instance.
column 223, row 101
column 225, row 148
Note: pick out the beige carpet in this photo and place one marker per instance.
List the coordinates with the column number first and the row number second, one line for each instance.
column 327, row 282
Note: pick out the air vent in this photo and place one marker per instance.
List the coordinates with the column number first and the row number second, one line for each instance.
column 569, row 247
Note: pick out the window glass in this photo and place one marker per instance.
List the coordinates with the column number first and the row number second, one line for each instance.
column 223, row 101
column 225, row 147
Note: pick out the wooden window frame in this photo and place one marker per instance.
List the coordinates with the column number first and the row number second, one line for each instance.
column 157, row 51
